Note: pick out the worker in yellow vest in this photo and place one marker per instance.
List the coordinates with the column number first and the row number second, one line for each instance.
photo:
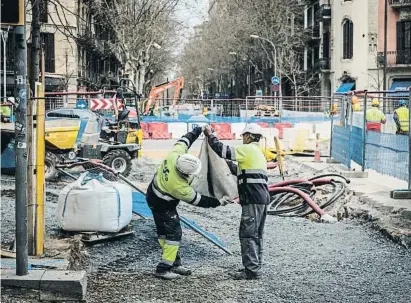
column 401, row 118
column 374, row 114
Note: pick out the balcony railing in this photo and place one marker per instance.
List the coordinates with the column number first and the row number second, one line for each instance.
column 400, row 3
column 312, row 34
column 399, row 57
column 322, row 64
column 324, row 13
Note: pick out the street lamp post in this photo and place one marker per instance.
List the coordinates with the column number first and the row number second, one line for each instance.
column 275, row 52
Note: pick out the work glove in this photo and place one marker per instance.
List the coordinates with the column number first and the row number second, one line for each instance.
column 207, row 130
column 225, row 200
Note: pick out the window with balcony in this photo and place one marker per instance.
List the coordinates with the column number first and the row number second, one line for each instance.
column 404, row 42
column 49, row 51
column 348, row 39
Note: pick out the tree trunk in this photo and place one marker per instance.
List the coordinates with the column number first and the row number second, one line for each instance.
column 35, row 44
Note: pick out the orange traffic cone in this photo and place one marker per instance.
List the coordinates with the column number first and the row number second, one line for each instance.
column 317, row 156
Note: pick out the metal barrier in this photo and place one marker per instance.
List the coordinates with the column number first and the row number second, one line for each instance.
column 374, row 144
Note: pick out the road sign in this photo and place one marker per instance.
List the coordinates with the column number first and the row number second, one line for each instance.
column 275, row 87
column 81, row 104
column 275, row 80
column 104, row 104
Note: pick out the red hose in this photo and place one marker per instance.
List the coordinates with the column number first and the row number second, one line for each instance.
column 317, row 182
column 281, row 187
column 303, row 195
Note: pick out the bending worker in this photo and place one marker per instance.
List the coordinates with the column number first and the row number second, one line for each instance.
column 170, row 185
column 374, row 114
column 401, row 118
column 254, row 196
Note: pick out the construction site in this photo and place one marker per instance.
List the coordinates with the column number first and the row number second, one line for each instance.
column 145, row 159
column 329, row 229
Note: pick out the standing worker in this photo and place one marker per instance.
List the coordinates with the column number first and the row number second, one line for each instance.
column 254, row 196
column 401, row 118
column 374, row 114
column 170, row 185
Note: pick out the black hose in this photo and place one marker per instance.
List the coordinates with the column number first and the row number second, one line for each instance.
column 338, row 192
column 330, row 175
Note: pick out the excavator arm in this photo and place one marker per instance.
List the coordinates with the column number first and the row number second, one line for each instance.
column 155, row 92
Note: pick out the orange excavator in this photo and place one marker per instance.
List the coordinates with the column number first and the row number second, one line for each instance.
column 155, row 92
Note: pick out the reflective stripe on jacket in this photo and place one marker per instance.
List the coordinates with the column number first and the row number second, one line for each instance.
column 251, row 170
column 402, row 114
column 171, row 186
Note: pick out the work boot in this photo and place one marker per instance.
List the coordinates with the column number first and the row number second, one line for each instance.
column 242, row 275
column 167, row 275
column 181, row 270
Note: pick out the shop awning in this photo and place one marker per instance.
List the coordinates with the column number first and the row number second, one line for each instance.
column 401, row 86
column 345, row 87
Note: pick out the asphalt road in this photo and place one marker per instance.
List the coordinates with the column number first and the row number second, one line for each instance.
column 304, row 262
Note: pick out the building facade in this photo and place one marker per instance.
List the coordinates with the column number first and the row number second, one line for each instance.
column 398, row 43
column 346, row 41
column 79, row 48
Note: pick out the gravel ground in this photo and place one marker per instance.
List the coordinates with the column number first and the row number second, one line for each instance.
column 305, row 261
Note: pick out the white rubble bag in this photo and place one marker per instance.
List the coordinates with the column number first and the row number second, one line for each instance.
column 94, row 204
column 215, row 178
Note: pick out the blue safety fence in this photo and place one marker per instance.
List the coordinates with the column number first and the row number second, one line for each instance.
column 356, row 145
column 387, row 154
column 384, row 153
column 341, row 145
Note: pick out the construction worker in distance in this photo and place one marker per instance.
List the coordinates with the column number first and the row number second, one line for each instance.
column 401, row 118
column 254, row 195
column 170, row 185
column 374, row 114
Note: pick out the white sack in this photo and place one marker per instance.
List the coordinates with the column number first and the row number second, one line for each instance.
column 94, row 205
column 215, row 178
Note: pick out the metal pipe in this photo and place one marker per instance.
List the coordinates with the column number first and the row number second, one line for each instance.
column 409, row 139
column 364, row 131
column 21, row 152
column 332, row 125
column 385, row 44
column 40, row 180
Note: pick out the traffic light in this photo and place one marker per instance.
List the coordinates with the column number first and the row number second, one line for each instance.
column 12, row 12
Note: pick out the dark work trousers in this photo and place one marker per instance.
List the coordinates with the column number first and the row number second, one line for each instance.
column 168, row 226
column 251, row 237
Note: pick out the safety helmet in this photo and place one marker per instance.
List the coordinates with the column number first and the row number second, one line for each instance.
column 12, row 100
column 253, row 129
column 375, row 102
column 403, row 102
column 188, row 164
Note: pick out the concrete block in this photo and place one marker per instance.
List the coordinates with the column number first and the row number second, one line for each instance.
column 31, row 281
column 307, row 126
column 400, row 194
column 331, row 161
column 63, row 285
column 355, row 174
column 177, row 129
column 237, row 129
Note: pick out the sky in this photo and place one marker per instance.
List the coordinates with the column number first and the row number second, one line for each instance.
column 192, row 13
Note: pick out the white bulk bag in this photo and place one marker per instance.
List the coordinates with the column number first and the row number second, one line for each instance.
column 94, row 204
